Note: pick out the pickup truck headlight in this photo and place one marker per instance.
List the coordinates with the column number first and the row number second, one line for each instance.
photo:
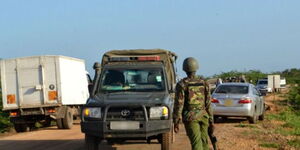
column 159, row 112
column 92, row 112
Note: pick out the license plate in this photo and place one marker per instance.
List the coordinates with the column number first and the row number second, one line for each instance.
column 124, row 125
column 228, row 102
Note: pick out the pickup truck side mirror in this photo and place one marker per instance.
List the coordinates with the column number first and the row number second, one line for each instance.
column 90, row 87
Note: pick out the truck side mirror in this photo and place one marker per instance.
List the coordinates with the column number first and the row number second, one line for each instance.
column 92, row 87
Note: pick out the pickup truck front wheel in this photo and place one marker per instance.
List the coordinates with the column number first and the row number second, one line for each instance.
column 166, row 140
column 91, row 142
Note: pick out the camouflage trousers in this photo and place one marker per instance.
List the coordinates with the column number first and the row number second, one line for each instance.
column 197, row 133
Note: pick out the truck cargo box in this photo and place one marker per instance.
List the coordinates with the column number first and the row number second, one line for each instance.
column 43, row 81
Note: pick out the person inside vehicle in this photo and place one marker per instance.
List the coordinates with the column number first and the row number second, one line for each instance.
column 114, row 78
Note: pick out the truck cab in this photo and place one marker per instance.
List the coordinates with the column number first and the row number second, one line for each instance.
column 132, row 98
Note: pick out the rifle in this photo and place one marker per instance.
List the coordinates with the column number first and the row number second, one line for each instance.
column 212, row 137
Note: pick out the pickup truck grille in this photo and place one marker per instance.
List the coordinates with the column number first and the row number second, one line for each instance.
column 125, row 113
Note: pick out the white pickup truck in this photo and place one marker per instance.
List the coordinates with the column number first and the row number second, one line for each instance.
column 43, row 88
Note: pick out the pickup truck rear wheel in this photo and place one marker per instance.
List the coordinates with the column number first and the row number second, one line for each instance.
column 68, row 119
column 91, row 142
column 21, row 127
column 166, row 141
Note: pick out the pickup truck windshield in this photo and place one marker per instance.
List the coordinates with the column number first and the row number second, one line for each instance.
column 132, row 80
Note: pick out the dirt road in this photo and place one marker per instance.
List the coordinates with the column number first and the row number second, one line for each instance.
column 233, row 134
column 54, row 139
column 51, row 138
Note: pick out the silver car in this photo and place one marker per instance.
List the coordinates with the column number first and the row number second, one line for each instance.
column 238, row 100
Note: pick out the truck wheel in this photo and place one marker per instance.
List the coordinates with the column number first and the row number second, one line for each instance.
column 21, row 127
column 91, row 142
column 46, row 122
column 166, row 141
column 68, row 119
column 254, row 118
column 59, row 123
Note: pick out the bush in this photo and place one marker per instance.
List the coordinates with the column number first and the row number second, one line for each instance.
column 4, row 117
column 293, row 96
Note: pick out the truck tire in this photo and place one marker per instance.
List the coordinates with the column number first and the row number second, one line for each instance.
column 59, row 123
column 254, row 118
column 166, row 141
column 91, row 142
column 46, row 122
column 21, row 127
column 68, row 119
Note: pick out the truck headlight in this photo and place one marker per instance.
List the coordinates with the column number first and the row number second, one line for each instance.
column 159, row 112
column 92, row 112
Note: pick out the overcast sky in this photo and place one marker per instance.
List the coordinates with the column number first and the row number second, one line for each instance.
column 223, row 35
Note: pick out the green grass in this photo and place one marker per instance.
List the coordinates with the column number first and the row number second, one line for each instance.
column 291, row 119
column 269, row 145
column 295, row 143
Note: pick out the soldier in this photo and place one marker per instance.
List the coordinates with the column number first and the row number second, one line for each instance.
column 192, row 106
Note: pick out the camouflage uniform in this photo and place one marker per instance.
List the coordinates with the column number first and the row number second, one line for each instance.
column 192, row 106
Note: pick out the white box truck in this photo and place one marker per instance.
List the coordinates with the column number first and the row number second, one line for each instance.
column 43, row 88
column 274, row 82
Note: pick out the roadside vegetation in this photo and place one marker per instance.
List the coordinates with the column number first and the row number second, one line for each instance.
column 4, row 120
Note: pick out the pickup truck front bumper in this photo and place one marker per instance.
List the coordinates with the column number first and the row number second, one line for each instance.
column 146, row 129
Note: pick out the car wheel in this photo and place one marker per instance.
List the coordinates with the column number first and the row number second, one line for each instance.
column 253, row 119
column 262, row 116
column 216, row 119
column 91, row 142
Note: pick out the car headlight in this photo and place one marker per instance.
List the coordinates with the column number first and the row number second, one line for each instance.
column 92, row 112
column 159, row 112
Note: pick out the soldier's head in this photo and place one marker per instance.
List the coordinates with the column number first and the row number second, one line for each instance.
column 190, row 65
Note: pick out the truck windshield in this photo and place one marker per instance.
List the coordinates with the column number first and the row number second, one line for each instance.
column 262, row 82
column 132, row 80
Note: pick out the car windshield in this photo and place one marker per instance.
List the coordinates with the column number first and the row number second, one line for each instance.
column 262, row 82
column 232, row 89
column 114, row 80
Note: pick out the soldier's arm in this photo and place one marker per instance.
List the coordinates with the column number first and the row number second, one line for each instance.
column 179, row 102
column 208, row 102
